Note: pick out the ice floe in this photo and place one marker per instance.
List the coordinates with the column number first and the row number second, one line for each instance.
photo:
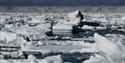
column 53, row 59
column 109, row 52
column 7, row 36
column 75, row 17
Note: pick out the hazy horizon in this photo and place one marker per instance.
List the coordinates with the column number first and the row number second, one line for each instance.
column 61, row 2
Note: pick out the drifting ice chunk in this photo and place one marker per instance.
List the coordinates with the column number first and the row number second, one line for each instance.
column 87, row 27
column 98, row 59
column 53, row 59
column 75, row 17
column 31, row 57
column 3, row 61
column 62, row 26
column 107, row 47
column 2, row 21
column 62, row 29
column 123, row 18
column 110, row 52
column 9, row 26
column 34, row 22
column 7, row 36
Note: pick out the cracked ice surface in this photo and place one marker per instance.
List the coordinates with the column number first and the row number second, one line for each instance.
column 107, row 48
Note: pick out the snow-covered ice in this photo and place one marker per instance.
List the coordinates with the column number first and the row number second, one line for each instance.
column 107, row 48
column 109, row 52
column 7, row 36
column 74, row 17
column 53, row 59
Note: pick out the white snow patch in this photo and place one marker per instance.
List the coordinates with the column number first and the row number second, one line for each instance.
column 35, row 21
column 9, row 26
column 31, row 57
column 99, row 59
column 110, row 52
column 7, row 36
column 62, row 26
column 53, row 59
column 88, row 27
column 108, row 47
column 2, row 21
column 74, row 18
column 88, row 47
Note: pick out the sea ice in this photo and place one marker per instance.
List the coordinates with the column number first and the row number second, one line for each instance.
column 109, row 52
column 53, row 59
column 7, row 36
column 75, row 17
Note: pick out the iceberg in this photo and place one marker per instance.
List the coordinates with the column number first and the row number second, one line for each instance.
column 105, row 46
column 99, row 59
column 109, row 51
column 53, row 59
column 75, row 17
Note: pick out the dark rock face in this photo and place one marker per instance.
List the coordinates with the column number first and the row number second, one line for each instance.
column 80, row 15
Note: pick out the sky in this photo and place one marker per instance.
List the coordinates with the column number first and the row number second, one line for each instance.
column 60, row 2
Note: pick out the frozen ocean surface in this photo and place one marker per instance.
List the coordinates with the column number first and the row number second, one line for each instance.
column 101, row 44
